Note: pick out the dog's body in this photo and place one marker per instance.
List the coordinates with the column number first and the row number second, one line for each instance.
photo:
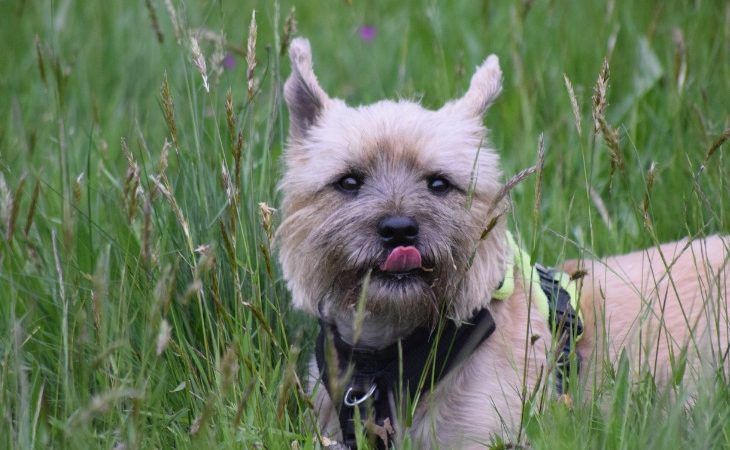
column 401, row 197
column 658, row 304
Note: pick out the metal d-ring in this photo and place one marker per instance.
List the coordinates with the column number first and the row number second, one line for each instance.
column 354, row 402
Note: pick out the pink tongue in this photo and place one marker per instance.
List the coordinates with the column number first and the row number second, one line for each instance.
column 402, row 259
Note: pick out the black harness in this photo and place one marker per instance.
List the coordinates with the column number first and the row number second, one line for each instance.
column 426, row 356
column 371, row 381
column 565, row 324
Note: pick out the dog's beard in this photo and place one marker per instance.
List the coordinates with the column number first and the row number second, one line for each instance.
column 416, row 297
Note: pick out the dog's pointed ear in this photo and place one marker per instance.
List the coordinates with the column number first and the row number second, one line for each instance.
column 304, row 97
column 484, row 88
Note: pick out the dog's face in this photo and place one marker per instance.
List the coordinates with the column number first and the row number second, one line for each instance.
column 394, row 191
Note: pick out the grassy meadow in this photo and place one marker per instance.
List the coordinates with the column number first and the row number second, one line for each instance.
column 141, row 305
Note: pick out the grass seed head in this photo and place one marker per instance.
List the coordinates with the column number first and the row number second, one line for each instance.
column 153, row 21
column 206, row 262
column 538, row 185
column 251, row 55
column 173, row 18
column 32, row 208
column 230, row 117
column 163, row 336
column 610, row 134
column 573, row 104
column 267, row 214
column 511, row 183
column 199, row 61
column 162, row 163
column 77, row 187
column 14, row 207
column 716, row 145
column 164, row 289
column 599, row 96
column 131, row 182
column 236, row 138
column 680, row 58
column 168, row 109
column 6, row 201
column 229, row 370
column 200, row 421
column 227, row 185
column 650, row 176
column 217, row 59
column 39, row 60
column 228, row 240
column 145, row 251
column 290, row 29
column 99, row 291
column 600, row 207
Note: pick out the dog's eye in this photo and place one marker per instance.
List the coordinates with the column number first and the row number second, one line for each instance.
column 439, row 185
column 349, row 184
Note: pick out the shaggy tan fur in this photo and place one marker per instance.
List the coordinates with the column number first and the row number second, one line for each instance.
column 328, row 243
column 662, row 305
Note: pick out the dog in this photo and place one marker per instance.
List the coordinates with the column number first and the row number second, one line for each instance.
column 393, row 232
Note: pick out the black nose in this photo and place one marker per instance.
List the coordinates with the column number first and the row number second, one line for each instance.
column 398, row 230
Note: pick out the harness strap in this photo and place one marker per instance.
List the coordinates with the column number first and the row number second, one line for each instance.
column 567, row 326
column 378, row 378
column 557, row 298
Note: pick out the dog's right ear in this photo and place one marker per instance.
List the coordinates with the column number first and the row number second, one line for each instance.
column 484, row 88
column 304, row 97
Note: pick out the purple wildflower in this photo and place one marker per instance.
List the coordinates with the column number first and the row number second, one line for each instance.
column 367, row 32
column 229, row 61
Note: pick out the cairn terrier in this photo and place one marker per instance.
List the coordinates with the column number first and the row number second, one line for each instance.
column 393, row 223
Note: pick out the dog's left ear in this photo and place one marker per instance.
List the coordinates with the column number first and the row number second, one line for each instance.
column 484, row 88
column 304, row 97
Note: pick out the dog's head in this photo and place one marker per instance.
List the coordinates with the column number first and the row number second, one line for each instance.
column 392, row 190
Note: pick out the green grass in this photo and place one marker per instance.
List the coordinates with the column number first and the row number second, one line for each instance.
column 102, row 262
